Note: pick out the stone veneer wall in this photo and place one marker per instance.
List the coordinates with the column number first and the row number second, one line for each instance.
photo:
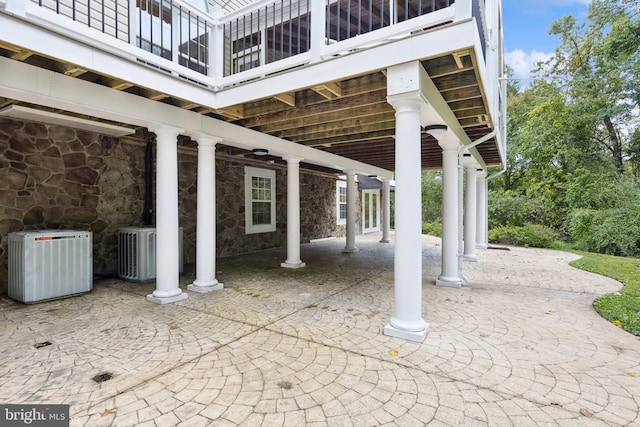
column 53, row 177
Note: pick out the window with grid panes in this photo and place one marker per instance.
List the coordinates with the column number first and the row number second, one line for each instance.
column 341, row 202
column 260, row 200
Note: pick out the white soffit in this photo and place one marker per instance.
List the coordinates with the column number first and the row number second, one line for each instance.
column 35, row 115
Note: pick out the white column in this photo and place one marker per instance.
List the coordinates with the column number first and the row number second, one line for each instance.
column 167, row 247
column 450, row 229
column 470, row 211
column 206, row 218
column 482, row 241
column 293, row 214
column 386, row 210
column 407, row 320
column 351, row 213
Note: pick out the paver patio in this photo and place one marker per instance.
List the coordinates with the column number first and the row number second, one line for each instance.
column 519, row 344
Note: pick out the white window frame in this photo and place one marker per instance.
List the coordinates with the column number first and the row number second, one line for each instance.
column 374, row 212
column 249, row 174
column 341, row 184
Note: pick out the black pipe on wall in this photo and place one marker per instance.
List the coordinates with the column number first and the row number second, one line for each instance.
column 147, row 216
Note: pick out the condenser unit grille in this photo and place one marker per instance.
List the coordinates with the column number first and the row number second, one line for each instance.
column 137, row 253
column 49, row 264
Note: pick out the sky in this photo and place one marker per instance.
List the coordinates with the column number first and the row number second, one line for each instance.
column 526, row 24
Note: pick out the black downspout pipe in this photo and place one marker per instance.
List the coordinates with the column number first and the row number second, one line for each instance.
column 147, row 216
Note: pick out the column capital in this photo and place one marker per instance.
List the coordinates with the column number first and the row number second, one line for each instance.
column 408, row 101
column 161, row 129
column 293, row 159
column 205, row 139
column 448, row 144
column 481, row 173
column 470, row 163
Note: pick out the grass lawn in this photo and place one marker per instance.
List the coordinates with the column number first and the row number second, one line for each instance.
column 621, row 308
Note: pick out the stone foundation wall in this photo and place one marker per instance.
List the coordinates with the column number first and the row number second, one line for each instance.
column 53, row 177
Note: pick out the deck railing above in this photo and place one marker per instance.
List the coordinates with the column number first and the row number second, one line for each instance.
column 268, row 37
column 273, row 32
column 282, row 29
column 166, row 28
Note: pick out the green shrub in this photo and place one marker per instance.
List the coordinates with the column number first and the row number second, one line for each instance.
column 432, row 228
column 611, row 231
column 528, row 235
column 509, row 209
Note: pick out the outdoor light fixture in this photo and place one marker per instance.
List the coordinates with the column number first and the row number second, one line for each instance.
column 260, row 151
column 435, row 129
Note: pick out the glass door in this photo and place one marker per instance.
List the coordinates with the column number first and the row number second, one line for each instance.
column 370, row 211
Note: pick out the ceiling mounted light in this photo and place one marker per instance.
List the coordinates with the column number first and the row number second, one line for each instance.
column 435, row 129
column 260, row 151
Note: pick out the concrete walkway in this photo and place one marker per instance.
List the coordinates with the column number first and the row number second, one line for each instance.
column 519, row 344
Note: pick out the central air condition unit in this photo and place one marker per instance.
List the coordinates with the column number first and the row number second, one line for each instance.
column 137, row 253
column 49, row 264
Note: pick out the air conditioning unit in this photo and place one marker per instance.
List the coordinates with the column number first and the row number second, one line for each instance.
column 137, row 253
column 49, row 264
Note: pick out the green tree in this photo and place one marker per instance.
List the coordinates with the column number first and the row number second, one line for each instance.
column 598, row 66
column 573, row 132
column 431, row 196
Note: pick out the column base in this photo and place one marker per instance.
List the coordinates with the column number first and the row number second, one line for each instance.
column 167, row 300
column 470, row 258
column 293, row 265
column 449, row 282
column 385, row 241
column 415, row 336
column 203, row 288
column 482, row 246
column 350, row 250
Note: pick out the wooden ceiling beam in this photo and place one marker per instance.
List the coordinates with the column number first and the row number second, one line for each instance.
column 347, row 124
column 466, row 104
column 385, row 128
column 351, row 138
column 288, row 98
column 21, row 55
column 329, row 90
column 73, row 71
column 234, row 112
column 338, row 104
column 471, row 112
column 446, row 65
column 351, row 87
column 462, row 94
column 152, row 94
column 456, row 81
column 17, row 52
column 259, row 112
column 361, row 113
column 458, row 57
column 117, row 84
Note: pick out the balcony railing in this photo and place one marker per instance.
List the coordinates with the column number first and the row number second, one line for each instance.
column 108, row 16
column 270, row 35
column 163, row 27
